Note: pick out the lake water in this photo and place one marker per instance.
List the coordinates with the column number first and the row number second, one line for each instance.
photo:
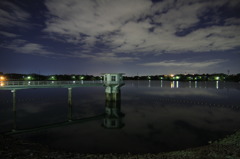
column 152, row 116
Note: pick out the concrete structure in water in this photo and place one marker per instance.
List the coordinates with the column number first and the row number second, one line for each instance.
column 112, row 83
column 113, row 115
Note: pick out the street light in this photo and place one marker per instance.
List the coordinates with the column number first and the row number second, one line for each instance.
column 53, row 78
column 177, row 77
column 217, row 78
column 2, row 78
column 81, row 77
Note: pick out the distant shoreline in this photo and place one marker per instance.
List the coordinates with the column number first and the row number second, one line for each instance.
column 75, row 77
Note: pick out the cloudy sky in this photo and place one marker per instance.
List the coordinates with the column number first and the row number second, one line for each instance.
column 141, row 37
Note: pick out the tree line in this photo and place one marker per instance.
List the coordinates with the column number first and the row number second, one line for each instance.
column 73, row 77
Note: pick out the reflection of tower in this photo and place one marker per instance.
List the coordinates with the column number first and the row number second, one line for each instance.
column 113, row 115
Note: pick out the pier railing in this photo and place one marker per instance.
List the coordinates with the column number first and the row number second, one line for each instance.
column 47, row 83
column 113, row 83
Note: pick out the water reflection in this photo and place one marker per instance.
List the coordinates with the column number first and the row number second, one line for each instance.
column 69, row 104
column 113, row 115
column 190, row 84
column 149, row 83
column 172, row 84
column 217, row 85
column 157, row 118
column 196, row 84
column 14, row 110
column 112, row 118
column 179, row 84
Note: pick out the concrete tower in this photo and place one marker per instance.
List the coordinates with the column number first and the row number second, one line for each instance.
column 113, row 115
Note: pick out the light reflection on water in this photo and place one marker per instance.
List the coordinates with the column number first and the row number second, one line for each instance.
column 156, row 116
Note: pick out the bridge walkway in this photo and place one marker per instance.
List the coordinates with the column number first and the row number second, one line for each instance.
column 9, row 85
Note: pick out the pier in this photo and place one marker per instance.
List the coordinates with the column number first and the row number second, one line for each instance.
column 112, row 82
column 9, row 85
column 112, row 117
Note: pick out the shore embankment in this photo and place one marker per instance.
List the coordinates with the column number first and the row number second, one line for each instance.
column 226, row 148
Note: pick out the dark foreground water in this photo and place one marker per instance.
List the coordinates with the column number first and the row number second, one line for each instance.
column 153, row 116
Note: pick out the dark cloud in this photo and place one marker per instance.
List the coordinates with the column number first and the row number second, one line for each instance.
column 177, row 24
column 25, row 47
column 11, row 15
column 113, row 31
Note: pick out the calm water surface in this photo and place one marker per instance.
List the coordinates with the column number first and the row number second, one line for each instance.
column 152, row 116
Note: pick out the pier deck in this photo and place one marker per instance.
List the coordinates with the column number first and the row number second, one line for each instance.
column 9, row 85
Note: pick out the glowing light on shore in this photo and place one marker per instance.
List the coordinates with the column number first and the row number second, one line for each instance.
column 2, row 78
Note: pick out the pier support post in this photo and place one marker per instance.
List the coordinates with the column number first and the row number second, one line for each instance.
column 14, row 110
column 69, row 104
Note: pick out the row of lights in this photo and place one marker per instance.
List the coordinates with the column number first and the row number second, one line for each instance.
column 51, row 78
column 73, row 77
column 2, row 78
column 176, row 77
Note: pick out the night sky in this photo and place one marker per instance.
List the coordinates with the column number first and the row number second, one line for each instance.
column 141, row 37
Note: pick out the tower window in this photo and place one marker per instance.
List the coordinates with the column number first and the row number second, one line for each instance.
column 113, row 78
